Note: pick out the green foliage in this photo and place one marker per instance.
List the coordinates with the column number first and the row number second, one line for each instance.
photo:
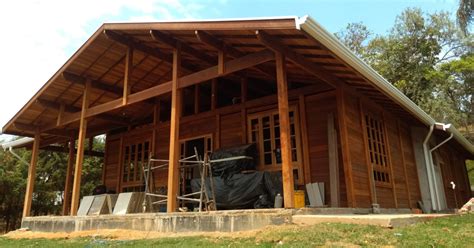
column 49, row 184
column 427, row 58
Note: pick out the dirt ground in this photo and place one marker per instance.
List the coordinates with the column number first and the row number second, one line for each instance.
column 123, row 234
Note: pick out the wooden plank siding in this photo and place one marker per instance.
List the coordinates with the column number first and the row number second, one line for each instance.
column 225, row 124
column 403, row 189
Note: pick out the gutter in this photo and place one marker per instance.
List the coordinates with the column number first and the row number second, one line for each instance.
column 314, row 29
column 15, row 143
column 429, row 166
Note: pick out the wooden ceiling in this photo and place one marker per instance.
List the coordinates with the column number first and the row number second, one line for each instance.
column 102, row 60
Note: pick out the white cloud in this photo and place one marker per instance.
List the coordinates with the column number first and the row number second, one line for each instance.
column 38, row 36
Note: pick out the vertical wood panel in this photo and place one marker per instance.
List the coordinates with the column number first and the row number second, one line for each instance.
column 287, row 168
column 389, row 155
column 345, row 147
column 127, row 75
column 370, row 177
column 403, row 162
column 304, row 140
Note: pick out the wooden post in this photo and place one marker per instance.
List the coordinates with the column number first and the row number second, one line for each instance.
column 127, row 76
column 333, row 162
column 346, row 155
column 30, row 183
column 67, row 187
column 304, row 140
column 76, row 189
column 60, row 114
column 173, row 170
column 285, row 143
column 243, row 89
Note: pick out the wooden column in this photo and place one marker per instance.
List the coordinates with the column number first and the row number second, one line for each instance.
column 127, row 76
column 346, row 155
column 76, row 189
column 285, row 143
column 67, row 187
column 30, row 183
column 173, row 170
column 304, row 140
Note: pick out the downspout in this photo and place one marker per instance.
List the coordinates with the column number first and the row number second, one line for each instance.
column 432, row 165
column 10, row 149
column 428, row 162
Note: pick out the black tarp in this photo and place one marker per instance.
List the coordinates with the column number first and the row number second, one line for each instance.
column 240, row 191
column 228, row 168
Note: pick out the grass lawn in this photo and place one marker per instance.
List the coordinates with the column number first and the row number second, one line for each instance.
column 456, row 231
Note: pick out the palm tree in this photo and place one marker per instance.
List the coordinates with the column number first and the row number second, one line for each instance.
column 465, row 14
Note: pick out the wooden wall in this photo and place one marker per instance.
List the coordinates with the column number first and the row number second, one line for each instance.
column 317, row 132
column 403, row 190
column 227, row 125
column 453, row 168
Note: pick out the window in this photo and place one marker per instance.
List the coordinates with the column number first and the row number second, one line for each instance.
column 377, row 150
column 264, row 130
column 135, row 157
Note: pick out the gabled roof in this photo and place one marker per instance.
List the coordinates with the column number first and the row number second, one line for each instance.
column 101, row 59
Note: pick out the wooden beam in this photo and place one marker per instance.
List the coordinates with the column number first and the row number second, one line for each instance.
column 72, row 109
column 285, row 141
column 223, row 48
column 54, row 148
column 234, row 65
column 346, row 155
column 173, row 169
column 74, row 78
column 80, row 151
column 30, row 182
column 67, row 187
column 127, row 75
column 129, row 42
column 29, row 128
column 305, row 64
column 221, row 62
column 60, row 114
column 171, row 42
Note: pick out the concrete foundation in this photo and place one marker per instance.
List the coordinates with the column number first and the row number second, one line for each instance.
column 222, row 221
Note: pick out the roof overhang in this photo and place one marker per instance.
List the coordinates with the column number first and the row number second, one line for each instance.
column 314, row 29
column 305, row 24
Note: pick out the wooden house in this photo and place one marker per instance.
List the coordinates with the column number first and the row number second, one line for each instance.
column 159, row 88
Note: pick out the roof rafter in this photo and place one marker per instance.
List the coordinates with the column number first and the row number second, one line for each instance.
column 221, row 46
column 301, row 61
column 73, row 109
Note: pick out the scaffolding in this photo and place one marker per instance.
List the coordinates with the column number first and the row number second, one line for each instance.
column 204, row 166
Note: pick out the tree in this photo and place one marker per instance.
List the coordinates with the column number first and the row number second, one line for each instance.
column 49, row 183
column 355, row 37
column 465, row 14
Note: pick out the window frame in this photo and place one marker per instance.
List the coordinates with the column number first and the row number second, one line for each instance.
column 298, row 164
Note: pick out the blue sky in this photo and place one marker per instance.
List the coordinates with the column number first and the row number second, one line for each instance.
column 43, row 34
